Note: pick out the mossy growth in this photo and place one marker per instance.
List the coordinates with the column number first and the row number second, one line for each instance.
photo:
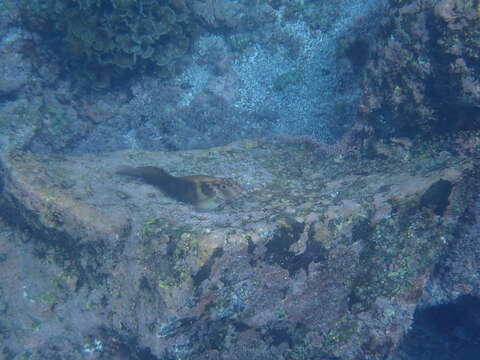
column 111, row 37
column 172, row 265
column 399, row 249
column 340, row 334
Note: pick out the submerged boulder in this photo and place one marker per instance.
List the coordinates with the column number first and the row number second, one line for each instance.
column 423, row 75
column 315, row 258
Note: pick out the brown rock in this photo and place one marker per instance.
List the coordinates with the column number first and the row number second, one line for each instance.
column 325, row 256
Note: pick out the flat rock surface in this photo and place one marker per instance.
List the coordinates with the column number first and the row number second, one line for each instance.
column 315, row 256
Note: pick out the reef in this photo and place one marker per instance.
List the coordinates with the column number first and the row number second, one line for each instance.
column 318, row 258
column 423, row 75
column 108, row 37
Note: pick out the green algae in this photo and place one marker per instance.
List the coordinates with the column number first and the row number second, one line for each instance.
column 338, row 335
column 397, row 252
column 173, row 267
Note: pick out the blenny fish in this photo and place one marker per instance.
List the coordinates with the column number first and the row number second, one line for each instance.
column 203, row 191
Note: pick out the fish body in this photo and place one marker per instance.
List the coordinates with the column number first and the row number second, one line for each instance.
column 203, row 191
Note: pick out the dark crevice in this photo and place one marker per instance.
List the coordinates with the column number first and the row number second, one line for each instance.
column 444, row 332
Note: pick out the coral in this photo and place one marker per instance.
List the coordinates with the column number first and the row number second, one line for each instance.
column 219, row 13
column 424, row 76
column 115, row 34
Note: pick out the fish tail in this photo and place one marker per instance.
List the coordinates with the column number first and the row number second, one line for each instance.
column 150, row 174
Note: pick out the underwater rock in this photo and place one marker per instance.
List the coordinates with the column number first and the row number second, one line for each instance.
column 423, row 73
column 324, row 256
column 15, row 70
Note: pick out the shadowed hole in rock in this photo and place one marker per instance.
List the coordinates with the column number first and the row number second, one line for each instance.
column 436, row 197
column 449, row 331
